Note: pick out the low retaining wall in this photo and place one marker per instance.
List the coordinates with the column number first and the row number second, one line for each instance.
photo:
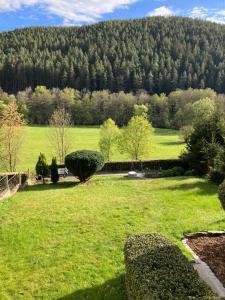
column 10, row 183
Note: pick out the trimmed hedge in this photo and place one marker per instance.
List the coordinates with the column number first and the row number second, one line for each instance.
column 221, row 193
column 83, row 164
column 157, row 269
column 120, row 166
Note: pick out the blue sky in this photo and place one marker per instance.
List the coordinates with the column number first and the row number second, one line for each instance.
column 25, row 13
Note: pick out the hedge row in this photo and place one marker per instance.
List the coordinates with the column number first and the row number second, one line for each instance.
column 157, row 269
column 120, row 166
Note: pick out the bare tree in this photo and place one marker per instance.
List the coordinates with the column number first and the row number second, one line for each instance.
column 60, row 122
column 11, row 134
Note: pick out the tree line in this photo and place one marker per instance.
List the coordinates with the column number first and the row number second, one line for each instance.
column 156, row 54
column 175, row 110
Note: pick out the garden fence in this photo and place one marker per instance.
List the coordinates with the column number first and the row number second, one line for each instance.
column 11, row 182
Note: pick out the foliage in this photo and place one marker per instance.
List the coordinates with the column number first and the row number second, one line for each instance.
column 216, row 176
column 206, row 145
column 84, row 164
column 175, row 110
column 185, row 132
column 176, row 52
column 150, row 260
column 54, row 171
column 135, row 138
column 109, row 133
column 158, row 165
column 42, row 168
column 221, row 193
column 189, row 173
column 86, row 225
column 175, row 171
column 141, row 110
column 59, row 136
column 203, row 109
column 11, row 134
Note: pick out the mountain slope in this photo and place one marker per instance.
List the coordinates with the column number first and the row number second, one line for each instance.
column 157, row 54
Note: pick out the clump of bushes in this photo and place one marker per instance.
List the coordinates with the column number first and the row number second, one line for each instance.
column 216, row 176
column 157, row 269
column 176, row 171
column 54, row 171
column 221, row 192
column 189, row 173
column 84, row 164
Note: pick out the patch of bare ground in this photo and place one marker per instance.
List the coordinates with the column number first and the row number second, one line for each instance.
column 211, row 250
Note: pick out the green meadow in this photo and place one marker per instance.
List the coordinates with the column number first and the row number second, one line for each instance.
column 165, row 144
column 66, row 241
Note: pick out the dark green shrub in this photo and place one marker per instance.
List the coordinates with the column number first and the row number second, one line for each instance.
column 221, row 192
column 164, row 164
column 176, row 171
column 189, row 173
column 83, row 164
column 42, row 167
column 157, row 269
column 167, row 173
column 216, row 176
column 54, row 171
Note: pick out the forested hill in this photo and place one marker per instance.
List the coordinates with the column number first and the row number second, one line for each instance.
column 157, row 54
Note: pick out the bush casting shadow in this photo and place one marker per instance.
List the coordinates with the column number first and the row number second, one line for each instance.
column 111, row 290
column 50, row 186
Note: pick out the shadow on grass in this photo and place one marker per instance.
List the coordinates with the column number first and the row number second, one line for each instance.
column 218, row 222
column 172, row 143
column 111, row 290
column 165, row 132
column 50, row 186
column 203, row 188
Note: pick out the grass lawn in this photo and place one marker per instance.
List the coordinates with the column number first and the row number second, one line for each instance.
column 66, row 241
column 165, row 144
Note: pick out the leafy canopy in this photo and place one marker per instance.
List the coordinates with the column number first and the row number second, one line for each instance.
column 135, row 138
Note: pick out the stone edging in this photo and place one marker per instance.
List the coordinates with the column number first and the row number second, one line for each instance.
column 205, row 273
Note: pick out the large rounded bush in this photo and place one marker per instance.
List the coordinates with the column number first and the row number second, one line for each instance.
column 221, row 193
column 83, row 164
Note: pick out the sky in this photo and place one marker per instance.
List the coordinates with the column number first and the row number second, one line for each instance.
column 26, row 13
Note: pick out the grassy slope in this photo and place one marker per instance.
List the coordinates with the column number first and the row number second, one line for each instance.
column 60, row 241
column 165, row 144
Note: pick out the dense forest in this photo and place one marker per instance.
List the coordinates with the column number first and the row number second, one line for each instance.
column 156, row 54
column 175, row 110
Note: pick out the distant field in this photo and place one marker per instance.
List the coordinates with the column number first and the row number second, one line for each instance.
column 165, row 144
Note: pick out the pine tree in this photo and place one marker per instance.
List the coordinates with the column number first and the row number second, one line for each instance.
column 54, row 171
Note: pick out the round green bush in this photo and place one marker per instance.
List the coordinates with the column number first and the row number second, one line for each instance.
column 83, row 164
column 221, row 192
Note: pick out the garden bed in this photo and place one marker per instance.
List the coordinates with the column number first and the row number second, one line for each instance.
column 210, row 248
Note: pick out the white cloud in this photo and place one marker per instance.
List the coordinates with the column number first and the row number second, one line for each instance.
column 72, row 11
column 199, row 12
column 161, row 11
column 213, row 15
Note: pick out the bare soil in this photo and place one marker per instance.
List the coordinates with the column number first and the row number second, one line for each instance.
column 211, row 250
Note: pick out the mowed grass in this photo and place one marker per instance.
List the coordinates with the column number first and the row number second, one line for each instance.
column 165, row 144
column 66, row 241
